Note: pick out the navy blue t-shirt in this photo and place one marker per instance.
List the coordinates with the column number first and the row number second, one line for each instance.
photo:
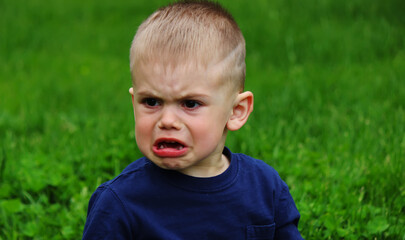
column 247, row 201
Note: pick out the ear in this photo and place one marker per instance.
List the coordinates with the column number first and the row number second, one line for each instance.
column 131, row 91
column 241, row 110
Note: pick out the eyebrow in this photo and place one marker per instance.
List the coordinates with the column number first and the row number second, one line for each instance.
column 147, row 93
column 144, row 93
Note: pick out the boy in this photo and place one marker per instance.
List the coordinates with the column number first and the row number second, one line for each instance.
column 188, row 68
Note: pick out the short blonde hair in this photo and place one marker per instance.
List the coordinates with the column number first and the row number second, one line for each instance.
column 199, row 32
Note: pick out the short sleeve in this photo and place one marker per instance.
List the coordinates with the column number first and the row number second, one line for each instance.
column 106, row 217
column 287, row 216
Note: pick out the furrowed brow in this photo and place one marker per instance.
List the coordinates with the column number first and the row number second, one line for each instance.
column 192, row 96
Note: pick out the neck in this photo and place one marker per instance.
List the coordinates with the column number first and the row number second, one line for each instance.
column 205, row 171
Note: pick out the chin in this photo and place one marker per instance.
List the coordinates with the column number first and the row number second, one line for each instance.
column 170, row 165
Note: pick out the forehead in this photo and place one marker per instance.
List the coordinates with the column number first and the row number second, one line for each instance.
column 192, row 75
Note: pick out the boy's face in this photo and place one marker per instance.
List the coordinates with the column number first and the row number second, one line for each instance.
column 181, row 116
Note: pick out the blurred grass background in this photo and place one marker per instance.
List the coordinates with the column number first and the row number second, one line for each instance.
column 329, row 84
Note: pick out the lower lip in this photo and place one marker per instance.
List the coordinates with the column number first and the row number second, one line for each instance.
column 169, row 152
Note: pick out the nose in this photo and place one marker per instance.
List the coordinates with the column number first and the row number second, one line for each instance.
column 169, row 119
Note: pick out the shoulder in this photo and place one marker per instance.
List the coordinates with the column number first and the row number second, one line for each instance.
column 128, row 182
column 134, row 170
column 260, row 173
column 136, row 166
column 109, row 205
column 133, row 175
column 253, row 164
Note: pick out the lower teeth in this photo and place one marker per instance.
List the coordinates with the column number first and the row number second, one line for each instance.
column 162, row 146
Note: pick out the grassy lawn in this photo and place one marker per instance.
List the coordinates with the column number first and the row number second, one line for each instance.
column 329, row 84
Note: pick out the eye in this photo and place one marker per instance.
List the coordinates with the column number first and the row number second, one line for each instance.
column 151, row 102
column 191, row 104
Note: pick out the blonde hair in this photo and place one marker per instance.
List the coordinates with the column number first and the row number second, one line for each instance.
column 200, row 32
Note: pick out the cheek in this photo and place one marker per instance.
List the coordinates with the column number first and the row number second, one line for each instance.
column 143, row 128
column 208, row 130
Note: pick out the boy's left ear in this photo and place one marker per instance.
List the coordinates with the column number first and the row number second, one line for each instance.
column 241, row 110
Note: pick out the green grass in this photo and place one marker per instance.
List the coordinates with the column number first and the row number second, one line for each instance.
column 329, row 84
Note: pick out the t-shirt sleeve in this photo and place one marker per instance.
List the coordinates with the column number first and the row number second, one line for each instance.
column 106, row 217
column 286, row 216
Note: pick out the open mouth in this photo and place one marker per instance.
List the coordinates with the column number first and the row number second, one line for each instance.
column 169, row 148
column 170, row 144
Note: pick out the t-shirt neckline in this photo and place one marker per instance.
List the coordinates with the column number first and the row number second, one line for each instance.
column 202, row 184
